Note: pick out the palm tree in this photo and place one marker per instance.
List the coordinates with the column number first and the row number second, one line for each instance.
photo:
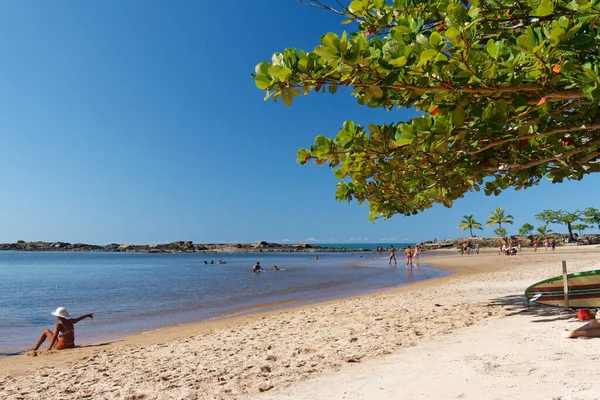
column 501, row 232
column 499, row 218
column 468, row 222
column 543, row 230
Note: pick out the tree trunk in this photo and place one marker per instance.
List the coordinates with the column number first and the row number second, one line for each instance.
column 571, row 238
column 471, row 230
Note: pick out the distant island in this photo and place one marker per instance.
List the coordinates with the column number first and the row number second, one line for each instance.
column 190, row 247
column 175, row 247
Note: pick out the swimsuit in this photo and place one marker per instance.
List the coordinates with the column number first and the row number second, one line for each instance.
column 66, row 339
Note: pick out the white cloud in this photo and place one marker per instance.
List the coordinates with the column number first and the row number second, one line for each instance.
column 387, row 239
column 310, row 239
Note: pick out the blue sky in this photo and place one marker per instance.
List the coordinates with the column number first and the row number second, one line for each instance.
column 138, row 122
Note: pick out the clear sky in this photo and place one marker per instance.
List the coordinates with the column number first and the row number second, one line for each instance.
column 139, row 122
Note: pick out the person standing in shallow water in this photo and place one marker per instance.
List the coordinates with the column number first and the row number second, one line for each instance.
column 63, row 336
column 392, row 254
column 409, row 254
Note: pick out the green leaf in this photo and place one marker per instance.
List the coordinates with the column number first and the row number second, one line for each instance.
column 392, row 49
column 545, row 8
column 331, row 41
column 356, row 6
column 280, row 73
column 262, row 81
column 526, row 42
column 453, row 35
column 325, row 52
column 262, row 68
column 375, row 92
column 435, row 39
column 492, row 48
column 581, row 41
column 426, row 56
column 301, row 156
column 557, row 34
column 458, row 116
column 399, row 62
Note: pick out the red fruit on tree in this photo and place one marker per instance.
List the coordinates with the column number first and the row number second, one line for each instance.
column 306, row 158
column 435, row 111
column 388, row 186
column 568, row 141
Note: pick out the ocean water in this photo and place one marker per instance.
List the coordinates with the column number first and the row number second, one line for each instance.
column 136, row 292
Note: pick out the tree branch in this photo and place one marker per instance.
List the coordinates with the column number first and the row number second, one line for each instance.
column 532, row 87
column 556, row 157
column 537, row 134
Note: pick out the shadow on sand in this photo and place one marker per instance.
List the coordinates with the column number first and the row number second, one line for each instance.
column 517, row 305
column 84, row 346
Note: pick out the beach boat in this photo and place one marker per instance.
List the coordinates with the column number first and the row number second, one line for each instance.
column 584, row 290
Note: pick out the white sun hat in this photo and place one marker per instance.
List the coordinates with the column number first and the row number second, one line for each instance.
column 61, row 312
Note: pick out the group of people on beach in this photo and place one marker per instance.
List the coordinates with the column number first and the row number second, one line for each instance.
column 409, row 252
column 468, row 249
column 547, row 243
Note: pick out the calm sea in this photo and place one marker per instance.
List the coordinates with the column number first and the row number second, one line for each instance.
column 136, row 292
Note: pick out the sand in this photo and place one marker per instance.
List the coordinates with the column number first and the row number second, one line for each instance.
column 467, row 336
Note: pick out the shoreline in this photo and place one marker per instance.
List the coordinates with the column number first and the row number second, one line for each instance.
column 265, row 348
column 263, row 308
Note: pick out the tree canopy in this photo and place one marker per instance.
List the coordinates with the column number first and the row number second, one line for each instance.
column 499, row 217
column 591, row 215
column 526, row 229
column 469, row 222
column 507, row 93
column 560, row 217
column 543, row 230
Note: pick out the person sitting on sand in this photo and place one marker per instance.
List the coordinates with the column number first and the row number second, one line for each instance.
column 257, row 267
column 63, row 336
column 591, row 329
column 276, row 268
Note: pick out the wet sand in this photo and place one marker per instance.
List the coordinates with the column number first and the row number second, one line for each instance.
column 322, row 350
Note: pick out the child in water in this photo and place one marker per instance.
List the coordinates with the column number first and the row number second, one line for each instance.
column 257, row 267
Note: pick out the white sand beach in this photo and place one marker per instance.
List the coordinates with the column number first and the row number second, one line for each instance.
column 466, row 336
